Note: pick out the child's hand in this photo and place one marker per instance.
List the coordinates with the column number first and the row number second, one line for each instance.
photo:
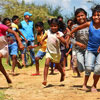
column 21, row 46
column 82, row 46
column 98, row 50
column 30, row 47
column 58, row 35
column 66, row 54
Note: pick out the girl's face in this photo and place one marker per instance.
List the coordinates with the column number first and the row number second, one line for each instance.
column 8, row 23
column 54, row 28
column 96, row 17
column 81, row 17
column 39, row 29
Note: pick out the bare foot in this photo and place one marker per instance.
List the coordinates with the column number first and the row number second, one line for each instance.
column 44, row 83
column 93, row 89
column 84, row 88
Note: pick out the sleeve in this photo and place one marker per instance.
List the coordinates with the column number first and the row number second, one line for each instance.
column 61, row 34
column 3, row 28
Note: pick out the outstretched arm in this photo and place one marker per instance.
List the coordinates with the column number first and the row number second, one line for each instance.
column 87, row 24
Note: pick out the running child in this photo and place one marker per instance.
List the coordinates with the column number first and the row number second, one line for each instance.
column 53, row 53
column 42, row 51
column 12, row 45
column 4, row 47
column 92, row 61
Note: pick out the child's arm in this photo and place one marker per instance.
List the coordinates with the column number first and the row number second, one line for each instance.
column 68, row 51
column 87, row 24
column 17, row 38
column 98, row 50
column 81, row 45
column 22, row 35
column 60, row 38
column 30, row 47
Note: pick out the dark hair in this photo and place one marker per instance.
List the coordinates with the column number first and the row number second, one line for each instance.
column 59, row 17
column 4, row 20
column 96, row 9
column 77, row 12
column 14, row 17
column 54, row 21
column 40, row 24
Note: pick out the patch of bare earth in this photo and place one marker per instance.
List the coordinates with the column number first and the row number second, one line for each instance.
column 27, row 87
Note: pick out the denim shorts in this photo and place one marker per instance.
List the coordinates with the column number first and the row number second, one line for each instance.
column 13, row 49
column 92, row 62
column 40, row 54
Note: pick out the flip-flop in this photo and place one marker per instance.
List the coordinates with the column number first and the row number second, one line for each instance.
column 35, row 74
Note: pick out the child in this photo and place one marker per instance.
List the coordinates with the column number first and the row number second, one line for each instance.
column 93, row 57
column 4, row 47
column 42, row 51
column 15, row 22
column 12, row 45
column 53, row 53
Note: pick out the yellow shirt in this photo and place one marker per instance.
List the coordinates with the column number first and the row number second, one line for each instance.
column 44, row 45
column 14, row 25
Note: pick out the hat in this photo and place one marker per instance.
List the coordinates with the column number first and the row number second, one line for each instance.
column 27, row 13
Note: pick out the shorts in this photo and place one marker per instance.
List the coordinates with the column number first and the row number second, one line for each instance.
column 3, row 46
column 40, row 54
column 54, row 57
column 13, row 49
column 92, row 62
column 63, row 54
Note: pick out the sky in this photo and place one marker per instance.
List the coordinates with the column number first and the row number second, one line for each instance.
column 67, row 6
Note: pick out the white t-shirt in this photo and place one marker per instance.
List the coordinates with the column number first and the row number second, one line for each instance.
column 53, row 43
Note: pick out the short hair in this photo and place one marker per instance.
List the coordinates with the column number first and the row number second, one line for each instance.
column 59, row 17
column 4, row 20
column 54, row 21
column 14, row 17
column 40, row 24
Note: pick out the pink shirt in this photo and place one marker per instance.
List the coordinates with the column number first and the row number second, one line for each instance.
column 3, row 30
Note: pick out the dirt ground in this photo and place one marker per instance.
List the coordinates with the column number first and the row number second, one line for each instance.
column 27, row 87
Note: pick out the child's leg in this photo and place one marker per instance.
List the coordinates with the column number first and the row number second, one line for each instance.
column 46, row 70
column 3, row 70
column 61, row 71
column 96, row 79
column 14, row 62
column 37, row 64
column 52, row 71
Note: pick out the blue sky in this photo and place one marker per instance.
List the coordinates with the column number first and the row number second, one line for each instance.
column 67, row 6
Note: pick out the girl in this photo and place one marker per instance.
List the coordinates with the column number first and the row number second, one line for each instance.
column 93, row 57
column 53, row 48
column 4, row 47
column 42, row 51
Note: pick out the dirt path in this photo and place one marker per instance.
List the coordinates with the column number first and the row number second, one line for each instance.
column 27, row 87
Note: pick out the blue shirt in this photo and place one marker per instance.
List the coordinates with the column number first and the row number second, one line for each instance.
column 94, row 38
column 27, row 30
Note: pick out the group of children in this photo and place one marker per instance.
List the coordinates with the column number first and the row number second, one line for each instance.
column 81, row 36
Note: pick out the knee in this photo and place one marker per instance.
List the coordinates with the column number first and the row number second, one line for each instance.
column 46, row 64
column 14, row 57
column 89, row 69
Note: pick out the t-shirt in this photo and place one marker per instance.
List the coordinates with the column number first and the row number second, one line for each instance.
column 81, row 35
column 94, row 38
column 13, row 25
column 11, row 37
column 44, row 45
column 53, row 43
column 3, row 30
column 27, row 30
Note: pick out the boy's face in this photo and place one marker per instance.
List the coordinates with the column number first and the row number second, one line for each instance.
column 96, row 17
column 39, row 29
column 8, row 23
column 27, row 17
column 81, row 17
column 16, row 21
column 54, row 28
